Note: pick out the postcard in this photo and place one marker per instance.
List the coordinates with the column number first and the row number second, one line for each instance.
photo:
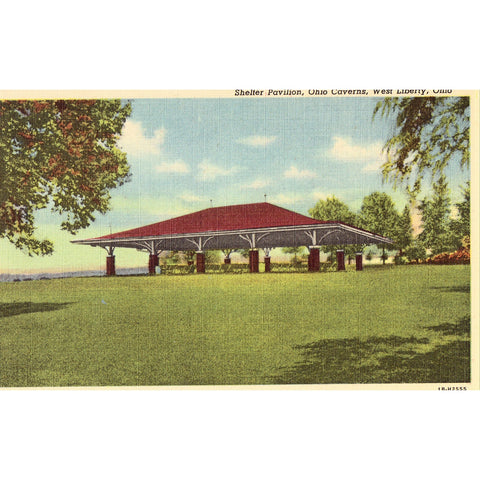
column 247, row 238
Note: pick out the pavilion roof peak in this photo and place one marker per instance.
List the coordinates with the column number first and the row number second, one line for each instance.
column 222, row 218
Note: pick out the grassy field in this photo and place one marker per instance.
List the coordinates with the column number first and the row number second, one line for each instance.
column 383, row 325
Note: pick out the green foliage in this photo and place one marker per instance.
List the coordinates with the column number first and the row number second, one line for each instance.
column 244, row 252
column 189, row 256
column 60, row 154
column 429, row 133
column 212, row 257
column 292, row 267
column 228, row 268
column 333, row 209
column 384, row 257
column 416, row 251
column 210, row 269
column 296, row 252
column 378, row 214
column 176, row 269
column 460, row 227
column 403, row 231
column 171, row 258
column 436, row 234
column 227, row 252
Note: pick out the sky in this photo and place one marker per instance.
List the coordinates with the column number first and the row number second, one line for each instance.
column 189, row 154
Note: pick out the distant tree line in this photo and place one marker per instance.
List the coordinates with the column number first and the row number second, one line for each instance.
column 443, row 228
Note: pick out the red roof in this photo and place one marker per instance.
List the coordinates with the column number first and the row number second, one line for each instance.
column 234, row 217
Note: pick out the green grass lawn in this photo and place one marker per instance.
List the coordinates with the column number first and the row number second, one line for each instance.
column 383, row 325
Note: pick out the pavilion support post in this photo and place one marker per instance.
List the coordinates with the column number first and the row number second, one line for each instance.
column 152, row 263
column 110, row 265
column 253, row 260
column 227, row 260
column 266, row 261
column 200, row 262
column 359, row 261
column 340, row 260
column 314, row 260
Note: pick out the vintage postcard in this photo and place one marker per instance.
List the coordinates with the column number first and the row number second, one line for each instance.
column 249, row 238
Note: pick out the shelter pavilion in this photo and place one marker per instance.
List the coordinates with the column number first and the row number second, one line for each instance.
column 251, row 226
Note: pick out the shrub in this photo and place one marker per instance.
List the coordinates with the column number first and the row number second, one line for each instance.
column 177, row 269
column 210, row 269
column 288, row 267
column 459, row 257
column 328, row 267
column 416, row 252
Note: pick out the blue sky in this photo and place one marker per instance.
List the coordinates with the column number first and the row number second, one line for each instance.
column 185, row 153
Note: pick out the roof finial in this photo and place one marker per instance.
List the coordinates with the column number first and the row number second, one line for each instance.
column 211, row 203
column 265, row 195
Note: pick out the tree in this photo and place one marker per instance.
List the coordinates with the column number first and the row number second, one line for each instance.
column 403, row 230
column 212, row 257
column 295, row 251
column 244, row 252
column 378, row 215
column 172, row 257
column 333, row 209
column 460, row 226
column 429, row 133
column 415, row 251
column 436, row 234
column 60, row 154
column 228, row 251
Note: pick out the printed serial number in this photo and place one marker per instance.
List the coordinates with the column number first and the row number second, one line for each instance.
column 452, row 388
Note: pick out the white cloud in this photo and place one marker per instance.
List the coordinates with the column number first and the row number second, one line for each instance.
column 209, row 171
column 257, row 184
column 370, row 155
column 177, row 166
column 319, row 195
column 189, row 197
column 294, row 172
column 344, row 149
column 285, row 198
column 257, row 140
column 135, row 142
